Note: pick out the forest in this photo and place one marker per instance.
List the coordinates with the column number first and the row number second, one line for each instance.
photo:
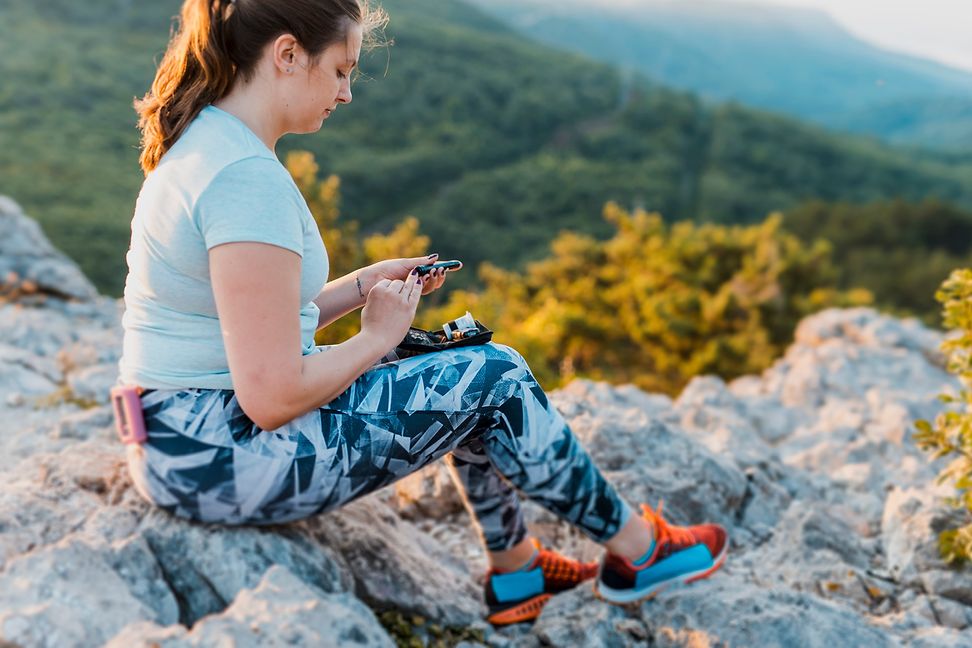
column 478, row 133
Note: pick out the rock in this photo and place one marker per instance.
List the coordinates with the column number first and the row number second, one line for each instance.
column 27, row 256
column 907, row 530
column 281, row 610
column 835, row 354
column 950, row 582
column 395, row 566
column 208, row 566
column 26, row 374
column 951, row 613
column 428, row 493
column 811, row 467
column 732, row 612
column 940, row 638
column 94, row 383
column 718, row 419
column 48, row 598
column 665, row 463
column 576, row 618
column 92, row 422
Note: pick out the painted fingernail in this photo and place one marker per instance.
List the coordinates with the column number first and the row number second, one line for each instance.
column 415, row 270
column 432, row 256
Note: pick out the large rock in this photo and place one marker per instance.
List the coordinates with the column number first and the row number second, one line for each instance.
column 30, row 262
column 810, row 466
column 282, row 610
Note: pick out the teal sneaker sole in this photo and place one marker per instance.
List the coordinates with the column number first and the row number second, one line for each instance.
column 633, row 595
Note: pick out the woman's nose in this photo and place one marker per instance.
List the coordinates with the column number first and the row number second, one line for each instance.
column 344, row 94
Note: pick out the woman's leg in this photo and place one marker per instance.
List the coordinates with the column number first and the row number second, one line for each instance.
column 490, row 499
column 206, row 460
column 484, row 403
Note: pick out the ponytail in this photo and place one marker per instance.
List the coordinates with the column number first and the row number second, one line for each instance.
column 218, row 40
column 196, row 70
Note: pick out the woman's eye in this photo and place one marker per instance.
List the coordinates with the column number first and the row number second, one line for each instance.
column 340, row 74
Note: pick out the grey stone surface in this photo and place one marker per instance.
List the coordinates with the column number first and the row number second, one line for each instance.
column 831, row 510
column 26, row 253
column 281, row 610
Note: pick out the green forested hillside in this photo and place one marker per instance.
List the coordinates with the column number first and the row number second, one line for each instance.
column 899, row 251
column 494, row 142
column 794, row 60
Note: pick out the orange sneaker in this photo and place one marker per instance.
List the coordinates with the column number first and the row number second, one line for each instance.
column 515, row 597
column 681, row 555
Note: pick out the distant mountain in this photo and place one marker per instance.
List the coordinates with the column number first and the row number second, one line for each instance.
column 493, row 141
column 792, row 60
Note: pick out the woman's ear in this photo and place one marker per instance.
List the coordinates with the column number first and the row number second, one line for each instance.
column 284, row 50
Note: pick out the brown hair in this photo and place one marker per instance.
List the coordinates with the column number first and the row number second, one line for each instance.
column 220, row 40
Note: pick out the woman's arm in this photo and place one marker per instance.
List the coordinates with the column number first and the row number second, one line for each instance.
column 341, row 296
column 257, row 291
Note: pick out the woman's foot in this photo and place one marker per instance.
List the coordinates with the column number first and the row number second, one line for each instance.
column 518, row 596
column 679, row 555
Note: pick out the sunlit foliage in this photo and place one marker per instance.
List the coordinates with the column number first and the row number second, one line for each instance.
column 346, row 250
column 656, row 304
column 898, row 250
column 950, row 435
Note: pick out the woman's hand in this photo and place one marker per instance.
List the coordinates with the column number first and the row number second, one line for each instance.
column 399, row 269
column 390, row 309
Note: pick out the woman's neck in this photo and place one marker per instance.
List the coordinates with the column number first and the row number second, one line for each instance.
column 247, row 102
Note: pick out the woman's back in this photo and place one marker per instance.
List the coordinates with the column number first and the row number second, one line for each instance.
column 218, row 184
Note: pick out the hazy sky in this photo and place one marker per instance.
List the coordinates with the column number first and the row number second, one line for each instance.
column 940, row 30
column 936, row 29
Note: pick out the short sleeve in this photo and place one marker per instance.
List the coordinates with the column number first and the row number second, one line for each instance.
column 252, row 200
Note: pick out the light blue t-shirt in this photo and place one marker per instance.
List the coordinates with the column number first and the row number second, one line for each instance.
column 219, row 183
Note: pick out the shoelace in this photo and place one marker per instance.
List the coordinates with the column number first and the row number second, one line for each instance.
column 556, row 566
column 668, row 536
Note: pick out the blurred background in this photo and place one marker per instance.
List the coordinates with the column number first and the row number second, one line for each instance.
column 641, row 190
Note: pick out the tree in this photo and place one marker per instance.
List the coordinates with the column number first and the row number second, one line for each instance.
column 951, row 433
column 656, row 304
column 346, row 252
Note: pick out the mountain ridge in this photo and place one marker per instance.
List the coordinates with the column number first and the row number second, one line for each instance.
column 478, row 131
column 750, row 52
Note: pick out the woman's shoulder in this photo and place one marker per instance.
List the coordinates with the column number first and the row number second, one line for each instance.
column 218, row 144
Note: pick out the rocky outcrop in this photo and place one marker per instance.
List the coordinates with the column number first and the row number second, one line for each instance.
column 831, row 508
column 30, row 266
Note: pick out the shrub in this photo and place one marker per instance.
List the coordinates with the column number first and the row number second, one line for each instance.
column 346, row 250
column 656, row 304
column 950, row 435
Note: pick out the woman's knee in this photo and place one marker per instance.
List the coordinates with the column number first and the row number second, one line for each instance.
column 504, row 352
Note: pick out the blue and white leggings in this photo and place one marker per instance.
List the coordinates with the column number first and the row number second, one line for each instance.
column 480, row 407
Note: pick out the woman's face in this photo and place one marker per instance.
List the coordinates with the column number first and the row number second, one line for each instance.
column 318, row 88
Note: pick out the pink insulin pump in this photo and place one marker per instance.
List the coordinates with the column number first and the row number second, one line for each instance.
column 129, row 422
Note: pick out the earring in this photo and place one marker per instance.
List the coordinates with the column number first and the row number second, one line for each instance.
column 290, row 70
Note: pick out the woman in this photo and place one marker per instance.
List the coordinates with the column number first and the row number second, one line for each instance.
column 248, row 421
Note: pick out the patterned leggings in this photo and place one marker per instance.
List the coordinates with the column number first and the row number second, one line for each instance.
column 478, row 406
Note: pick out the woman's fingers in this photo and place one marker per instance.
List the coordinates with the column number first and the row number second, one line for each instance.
column 409, row 286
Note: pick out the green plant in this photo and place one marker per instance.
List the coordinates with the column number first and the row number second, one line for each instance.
column 656, row 304
column 950, row 435
column 414, row 631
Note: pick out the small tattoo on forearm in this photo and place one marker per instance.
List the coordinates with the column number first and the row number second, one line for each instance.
column 357, row 280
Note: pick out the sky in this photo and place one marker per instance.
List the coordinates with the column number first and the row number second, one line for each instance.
column 940, row 30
